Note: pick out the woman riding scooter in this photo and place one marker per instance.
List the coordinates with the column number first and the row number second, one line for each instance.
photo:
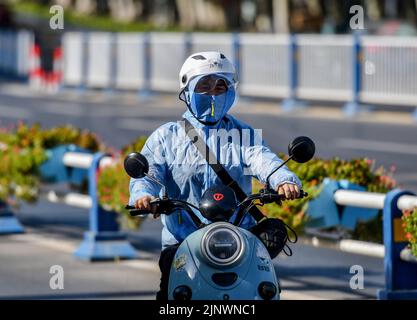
column 208, row 84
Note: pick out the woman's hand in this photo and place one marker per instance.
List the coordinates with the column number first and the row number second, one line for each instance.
column 144, row 203
column 289, row 190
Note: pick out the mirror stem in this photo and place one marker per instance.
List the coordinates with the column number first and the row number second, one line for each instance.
column 165, row 194
column 279, row 167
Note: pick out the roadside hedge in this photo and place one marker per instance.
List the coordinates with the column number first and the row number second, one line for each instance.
column 22, row 151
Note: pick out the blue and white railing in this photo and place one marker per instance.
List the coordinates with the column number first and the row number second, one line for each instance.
column 103, row 240
column 351, row 69
column 15, row 52
column 343, row 204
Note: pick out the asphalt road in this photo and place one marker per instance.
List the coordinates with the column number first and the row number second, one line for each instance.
column 118, row 119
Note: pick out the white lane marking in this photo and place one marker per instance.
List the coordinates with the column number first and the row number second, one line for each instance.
column 14, row 112
column 380, row 146
column 65, row 109
column 138, row 124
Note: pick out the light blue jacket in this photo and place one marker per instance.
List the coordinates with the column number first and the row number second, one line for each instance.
column 176, row 163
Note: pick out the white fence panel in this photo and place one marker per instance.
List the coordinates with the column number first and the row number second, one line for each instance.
column 389, row 72
column 222, row 42
column 15, row 51
column 265, row 65
column 72, row 43
column 325, row 69
column 130, row 60
column 167, row 51
column 25, row 41
column 100, row 48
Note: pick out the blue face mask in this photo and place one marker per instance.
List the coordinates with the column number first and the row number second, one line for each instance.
column 209, row 109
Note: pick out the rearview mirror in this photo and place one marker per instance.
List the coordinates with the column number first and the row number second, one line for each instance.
column 136, row 165
column 302, row 149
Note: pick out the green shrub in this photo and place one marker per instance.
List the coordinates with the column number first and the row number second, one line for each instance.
column 23, row 150
column 312, row 174
column 410, row 227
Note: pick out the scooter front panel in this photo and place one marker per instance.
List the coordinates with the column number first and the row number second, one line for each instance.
column 238, row 281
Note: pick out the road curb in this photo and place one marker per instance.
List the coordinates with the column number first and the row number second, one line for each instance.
column 370, row 249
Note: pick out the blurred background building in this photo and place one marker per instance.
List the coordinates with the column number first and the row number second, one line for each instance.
column 281, row 16
column 384, row 17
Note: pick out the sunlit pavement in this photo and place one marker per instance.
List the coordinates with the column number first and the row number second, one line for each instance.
column 25, row 274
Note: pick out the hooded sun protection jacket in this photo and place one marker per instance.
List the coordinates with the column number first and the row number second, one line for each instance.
column 177, row 164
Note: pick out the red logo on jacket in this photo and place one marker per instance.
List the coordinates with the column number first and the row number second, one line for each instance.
column 218, row 196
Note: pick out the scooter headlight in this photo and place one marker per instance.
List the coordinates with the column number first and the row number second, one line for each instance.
column 222, row 245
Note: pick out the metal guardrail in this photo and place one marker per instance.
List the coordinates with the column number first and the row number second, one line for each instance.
column 371, row 200
column 75, row 57
column 325, row 71
column 343, row 203
column 103, row 240
column 351, row 69
column 389, row 70
column 165, row 56
column 129, row 66
column 264, row 65
column 15, row 47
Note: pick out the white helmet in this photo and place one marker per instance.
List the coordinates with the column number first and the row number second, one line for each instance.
column 203, row 63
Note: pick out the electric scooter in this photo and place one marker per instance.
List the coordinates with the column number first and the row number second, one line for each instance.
column 221, row 260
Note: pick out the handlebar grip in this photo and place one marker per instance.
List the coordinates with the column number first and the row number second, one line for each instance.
column 303, row 194
column 137, row 212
